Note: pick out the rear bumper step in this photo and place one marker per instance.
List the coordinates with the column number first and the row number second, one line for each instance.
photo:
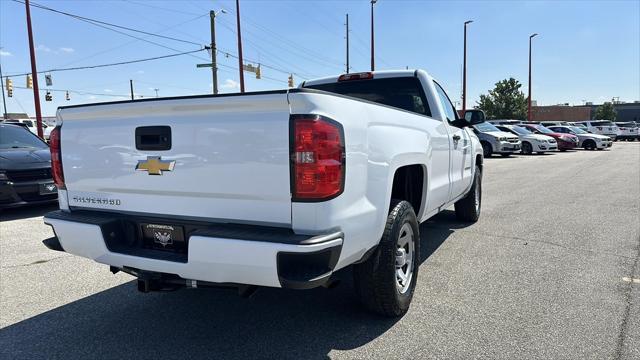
column 214, row 254
column 53, row 243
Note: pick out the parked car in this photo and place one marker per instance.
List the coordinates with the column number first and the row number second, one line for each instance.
column 602, row 127
column 505, row 122
column 25, row 168
column 565, row 141
column 279, row 188
column 586, row 139
column 628, row 131
column 32, row 126
column 578, row 125
column 531, row 142
column 495, row 141
column 553, row 123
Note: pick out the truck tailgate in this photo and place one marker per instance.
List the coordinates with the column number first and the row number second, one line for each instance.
column 228, row 157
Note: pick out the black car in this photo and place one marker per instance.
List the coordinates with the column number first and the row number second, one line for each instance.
column 25, row 168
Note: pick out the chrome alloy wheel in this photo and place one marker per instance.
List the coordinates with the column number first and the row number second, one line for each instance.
column 405, row 254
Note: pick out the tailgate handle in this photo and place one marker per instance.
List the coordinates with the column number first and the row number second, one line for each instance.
column 153, row 138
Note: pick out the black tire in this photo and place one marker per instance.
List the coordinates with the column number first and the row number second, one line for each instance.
column 467, row 209
column 589, row 144
column 527, row 149
column 487, row 149
column 563, row 150
column 375, row 280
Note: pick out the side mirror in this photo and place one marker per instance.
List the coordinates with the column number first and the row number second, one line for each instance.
column 471, row 117
column 474, row 117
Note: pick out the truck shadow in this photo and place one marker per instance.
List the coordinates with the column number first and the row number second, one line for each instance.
column 208, row 323
column 29, row 211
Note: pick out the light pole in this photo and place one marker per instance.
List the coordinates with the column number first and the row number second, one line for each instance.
column 529, row 99
column 464, row 68
column 373, row 67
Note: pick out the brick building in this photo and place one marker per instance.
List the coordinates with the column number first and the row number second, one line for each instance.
column 560, row 113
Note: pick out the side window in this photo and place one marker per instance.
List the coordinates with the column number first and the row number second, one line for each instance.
column 449, row 110
column 29, row 123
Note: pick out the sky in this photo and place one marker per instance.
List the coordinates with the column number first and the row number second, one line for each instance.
column 585, row 50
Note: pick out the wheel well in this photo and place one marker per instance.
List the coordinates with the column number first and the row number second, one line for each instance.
column 407, row 185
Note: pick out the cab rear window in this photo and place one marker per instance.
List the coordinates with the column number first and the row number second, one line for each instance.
column 402, row 92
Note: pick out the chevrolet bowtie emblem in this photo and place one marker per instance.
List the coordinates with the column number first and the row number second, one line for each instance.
column 155, row 166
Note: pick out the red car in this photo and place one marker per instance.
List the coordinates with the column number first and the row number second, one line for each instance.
column 565, row 141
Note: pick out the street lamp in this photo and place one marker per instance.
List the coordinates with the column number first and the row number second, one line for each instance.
column 372, row 42
column 464, row 68
column 529, row 100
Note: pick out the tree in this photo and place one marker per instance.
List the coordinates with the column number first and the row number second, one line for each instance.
column 605, row 111
column 505, row 101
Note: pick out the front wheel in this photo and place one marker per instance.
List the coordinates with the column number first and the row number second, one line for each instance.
column 385, row 282
column 487, row 149
column 527, row 149
column 468, row 208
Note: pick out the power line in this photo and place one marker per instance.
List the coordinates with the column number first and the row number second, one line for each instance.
column 110, row 64
column 105, row 25
column 81, row 92
column 131, row 42
column 83, row 18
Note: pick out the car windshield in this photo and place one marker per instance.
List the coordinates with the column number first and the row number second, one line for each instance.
column 14, row 137
column 577, row 130
column 542, row 129
column 520, row 130
column 485, row 127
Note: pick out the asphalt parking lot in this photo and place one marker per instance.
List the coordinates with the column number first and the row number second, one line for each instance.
column 547, row 272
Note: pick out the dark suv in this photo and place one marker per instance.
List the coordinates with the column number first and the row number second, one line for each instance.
column 25, row 168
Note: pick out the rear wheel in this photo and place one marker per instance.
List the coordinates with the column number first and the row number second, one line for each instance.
column 589, row 144
column 527, row 149
column 487, row 149
column 468, row 208
column 385, row 282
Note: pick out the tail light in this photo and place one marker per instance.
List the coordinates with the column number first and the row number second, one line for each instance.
column 56, row 158
column 317, row 158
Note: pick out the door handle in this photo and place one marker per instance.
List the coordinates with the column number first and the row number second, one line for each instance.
column 456, row 137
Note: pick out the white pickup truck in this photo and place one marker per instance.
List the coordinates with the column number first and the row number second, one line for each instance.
column 276, row 188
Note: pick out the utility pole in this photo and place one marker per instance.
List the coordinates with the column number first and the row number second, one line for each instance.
column 529, row 99
column 131, row 87
column 373, row 67
column 347, row 25
column 464, row 69
column 240, row 62
column 4, row 102
column 156, row 90
column 214, row 51
column 34, row 72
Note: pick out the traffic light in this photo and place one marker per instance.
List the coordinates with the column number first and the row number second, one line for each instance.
column 47, row 96
column 291, row 81
column 67, row 96
column 29, row 81
column 258, row 72
column 9, row 88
